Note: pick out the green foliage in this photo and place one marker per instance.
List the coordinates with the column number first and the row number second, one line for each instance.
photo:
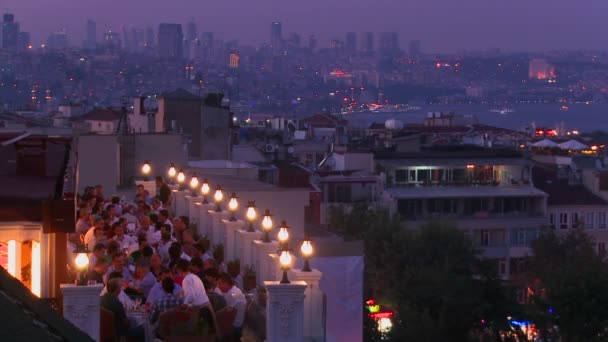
column 574, row 282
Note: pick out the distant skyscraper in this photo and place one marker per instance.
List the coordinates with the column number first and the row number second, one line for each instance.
column 366, row 42
column 191, row 31
column 206, row 45
column 90, row 41
column 414, row 49
column 350, row 42
column 389, row 42
column 313, row 41
column 23, row 42
column 57, row 40
column 234, row 61
column 126, row 40
column 294, row 41
column 10, row 32
column 170, row 41
column 336, row 44
column 276, row 37
column 111, row 40
column 150, row 37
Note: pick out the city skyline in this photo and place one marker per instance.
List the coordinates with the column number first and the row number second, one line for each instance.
column 442, row 26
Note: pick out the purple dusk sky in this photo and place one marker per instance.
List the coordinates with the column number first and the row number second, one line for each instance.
column 442, row 25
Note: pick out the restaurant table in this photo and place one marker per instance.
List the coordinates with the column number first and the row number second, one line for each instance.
column 141, row 318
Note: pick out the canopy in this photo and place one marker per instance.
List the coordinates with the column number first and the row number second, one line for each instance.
column 545, row 143
column 572, row 145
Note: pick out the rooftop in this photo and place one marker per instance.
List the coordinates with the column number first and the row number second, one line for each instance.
column 102, row 114
column 465, row 192
column 560, row 191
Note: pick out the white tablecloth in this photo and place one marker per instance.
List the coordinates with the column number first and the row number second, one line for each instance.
column 140, row 318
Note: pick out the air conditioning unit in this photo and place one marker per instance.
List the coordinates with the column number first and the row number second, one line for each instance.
column 269, row 148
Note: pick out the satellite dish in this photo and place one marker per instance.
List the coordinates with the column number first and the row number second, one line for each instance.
column 291, row 150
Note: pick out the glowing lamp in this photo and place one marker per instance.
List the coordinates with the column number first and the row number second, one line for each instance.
column 251, row 215
column 267, row 225
column 172, row 172
column 285, row 261
column 218, row 197
column 470, row 166
column 82, row 263
column 194, row 185
column 181, row 178
column 233, row 205
column 307, row 251
column 283, row 234
column 205, row 191
column 146, row 169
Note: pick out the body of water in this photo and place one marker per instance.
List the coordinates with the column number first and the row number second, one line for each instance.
column 582, row 117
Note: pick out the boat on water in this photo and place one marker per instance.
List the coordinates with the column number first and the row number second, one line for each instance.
column 502, row 111
column 564, row 108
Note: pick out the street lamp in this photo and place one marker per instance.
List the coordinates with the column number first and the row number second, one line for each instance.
column 172, row 173
column 181, row 178
column 146, row 169
column 251, row 215
column 233, row 205
column 283, row 234
column 194, row 185
column 307, row 251
column 82, row 263
column 218, row 197
column 205, row 190
column 267, row 225
column 285, row 260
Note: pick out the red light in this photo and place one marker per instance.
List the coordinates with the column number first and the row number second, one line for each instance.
column 370, row 302
column 379, row 315
column 438, row 65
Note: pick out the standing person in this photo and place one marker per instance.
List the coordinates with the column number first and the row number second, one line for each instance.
column 164, row 192
column 236, row 300
column 194, row 290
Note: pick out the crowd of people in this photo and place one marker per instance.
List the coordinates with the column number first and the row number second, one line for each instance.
column 148, row 257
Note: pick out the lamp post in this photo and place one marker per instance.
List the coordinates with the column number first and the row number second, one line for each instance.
column 285, row 260
column 283, row 235
column 172, row 172
column 267, row 225
column 146, row 169
column 251, row 215
column 82, row 262
column 218, row 197
column 233, row 205
column 194, row 185
column 307, row 251
column 181, row 178
column 205, row 190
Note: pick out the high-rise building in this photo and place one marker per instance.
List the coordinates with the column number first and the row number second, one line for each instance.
column 170, row 41
column 294, row 41
column 313, row 41
column 111, row 40
column 276, row 37
column 389, row 42
column 191, row 31
column 23, row 42
column 90, row 41
column 57, row 40
column 10, row 32
column 234, row 61
column 126, row 40
column 366, row 41
column 350, row 43
column 414, row 49
column 206, row 45
column 150, row 37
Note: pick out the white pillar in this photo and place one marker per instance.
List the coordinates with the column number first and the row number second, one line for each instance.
column 174, row 194
column 14, row 258
column 193, row 203
column 148, row 185
column 230, row 228
column 81, row 306
column 204, row 218
column 263, row 268
column 313, row 304
column 180, row 203
column 285, row 311
column 244, row 247
column 216, row 234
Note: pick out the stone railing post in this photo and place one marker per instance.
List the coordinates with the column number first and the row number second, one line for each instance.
column 261, row 262
column 244, row 247
column 314, row 324
column 285, row 311
column 181, row 206
column 204, row 218
column 216, row 227
column 229, row 241
column 81, row 306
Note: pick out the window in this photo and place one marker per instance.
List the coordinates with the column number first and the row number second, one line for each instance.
column 552, row 220
column 401, row 176
column 563, row 220
column 502, row 267
column 485, row 237
column 589, row 221
column 575, row 220
column 601, row 248
column 601, row 220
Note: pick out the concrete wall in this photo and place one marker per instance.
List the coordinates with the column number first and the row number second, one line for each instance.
column 99, row 157
column 355, row 161
column 215, row 134
column 106, row 127
column 187, row 114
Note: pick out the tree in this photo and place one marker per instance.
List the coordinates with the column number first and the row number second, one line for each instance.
column 431, row 276
column 573, row 291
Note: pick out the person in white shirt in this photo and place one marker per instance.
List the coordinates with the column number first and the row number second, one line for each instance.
column 122, row 296
column 194, row 290
column 125, row 241
column 236, row 300
column 99, row 251
column 163, row 217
